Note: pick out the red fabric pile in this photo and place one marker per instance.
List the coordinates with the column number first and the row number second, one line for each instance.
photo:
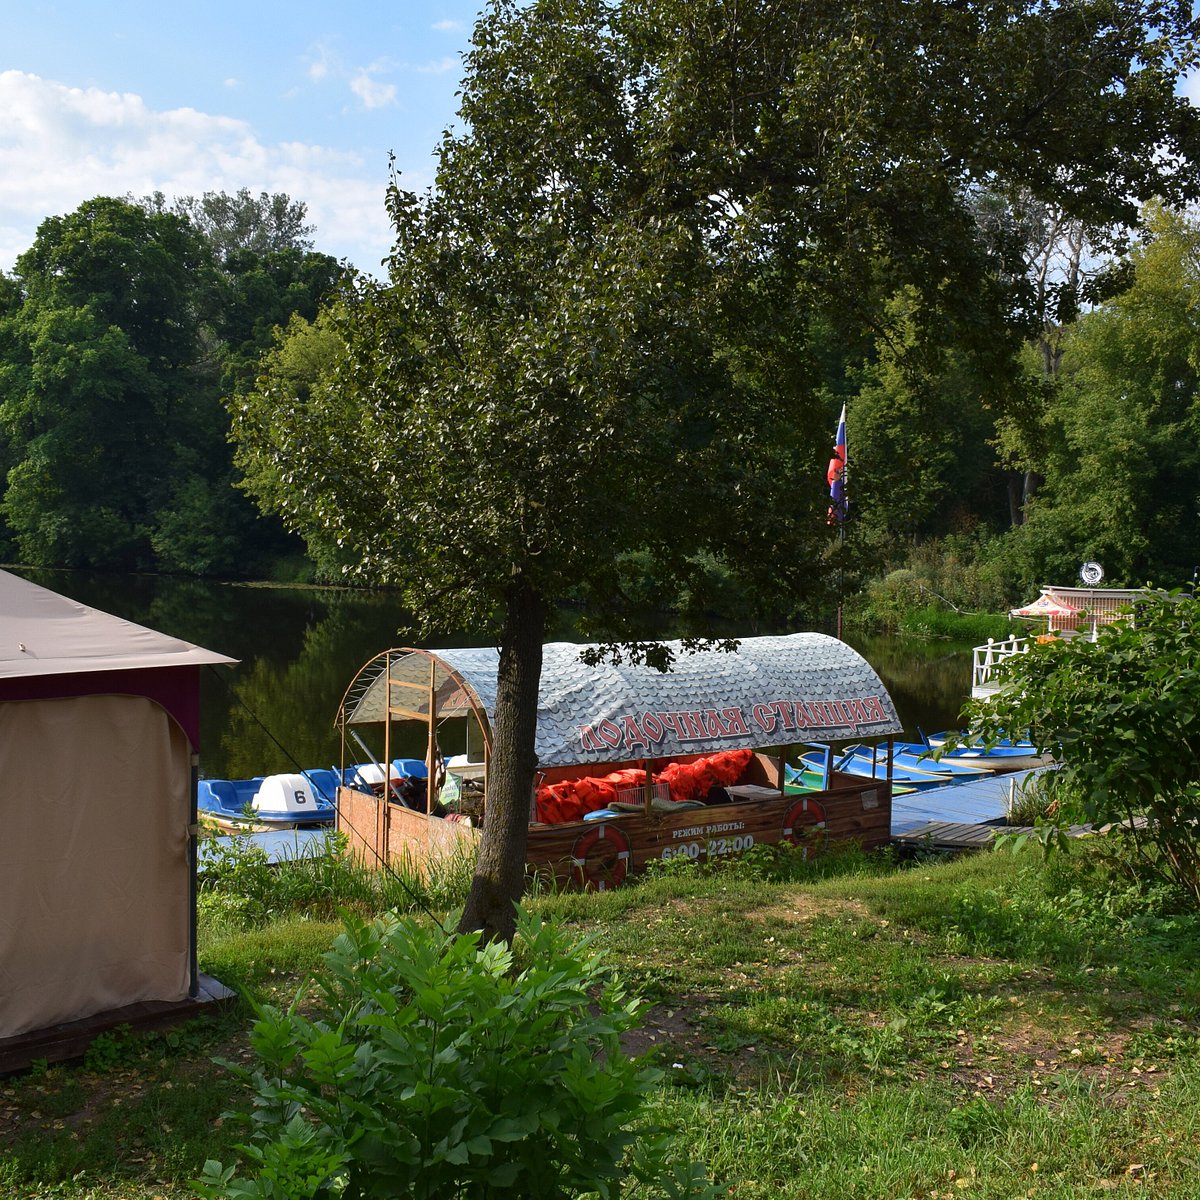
column 571, row 799
column 692, row 781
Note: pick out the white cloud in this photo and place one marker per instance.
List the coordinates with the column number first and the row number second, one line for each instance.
column 440, row 67
column 319, row 66
column 449, row 26
column 59, row 146
column 370, row 92
column 231, row 82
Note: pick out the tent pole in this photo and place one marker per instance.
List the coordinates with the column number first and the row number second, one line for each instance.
column 193, row 867
column 387, row 729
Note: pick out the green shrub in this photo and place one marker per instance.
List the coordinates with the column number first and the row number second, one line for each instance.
column 442, row 1067
column 1120, row 715
column 951, row 587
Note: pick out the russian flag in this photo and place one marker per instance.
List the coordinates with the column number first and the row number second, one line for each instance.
column 836, row 475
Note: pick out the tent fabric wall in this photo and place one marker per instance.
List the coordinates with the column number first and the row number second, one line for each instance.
column 94, row 813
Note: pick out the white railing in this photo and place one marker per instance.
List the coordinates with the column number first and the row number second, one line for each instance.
column 987, row 656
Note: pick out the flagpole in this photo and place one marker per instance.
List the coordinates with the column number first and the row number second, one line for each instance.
column 842, row 522
column 839, row 501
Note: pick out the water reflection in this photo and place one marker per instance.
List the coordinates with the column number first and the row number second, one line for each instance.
column 928, row 680
column 299, row 648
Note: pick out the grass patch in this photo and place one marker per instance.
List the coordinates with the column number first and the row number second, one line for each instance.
column 995, row 1026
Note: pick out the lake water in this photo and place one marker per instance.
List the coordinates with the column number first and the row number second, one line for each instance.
column 299, row 648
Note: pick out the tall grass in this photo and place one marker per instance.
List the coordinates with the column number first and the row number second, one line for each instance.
column 240, row 888
column 937, row 621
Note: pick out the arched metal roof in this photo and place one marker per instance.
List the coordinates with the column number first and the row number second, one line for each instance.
column 771, row 691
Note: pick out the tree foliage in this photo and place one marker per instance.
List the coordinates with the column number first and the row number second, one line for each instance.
column 118, row 333
column 297, row 368
column 262, row 225
column 592, row 339
column 1119, row 441
column 922, row 443
column 1121, row 716
column 103, row 340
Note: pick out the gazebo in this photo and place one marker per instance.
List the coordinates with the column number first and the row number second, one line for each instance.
column 99, row 742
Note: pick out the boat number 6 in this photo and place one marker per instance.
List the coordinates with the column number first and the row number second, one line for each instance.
column 300, row 798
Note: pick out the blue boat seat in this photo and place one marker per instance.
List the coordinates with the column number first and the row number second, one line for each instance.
column 411, row 768
column 324, row 784
column 352, row 779
column 224, row 793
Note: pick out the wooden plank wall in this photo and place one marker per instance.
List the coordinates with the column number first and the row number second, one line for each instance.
column 602, row 853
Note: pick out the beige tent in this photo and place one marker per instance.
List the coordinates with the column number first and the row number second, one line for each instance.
column 99, row 734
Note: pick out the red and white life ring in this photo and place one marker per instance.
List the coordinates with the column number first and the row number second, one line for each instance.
column 802, row 820
column 600, row 857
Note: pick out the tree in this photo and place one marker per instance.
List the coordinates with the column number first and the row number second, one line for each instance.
column 1121, row 716
column 1120, row 459
column 591, row 340
column 264, row 272
column 924, row 464
column 264, row 224
column 118, row 335
column 259, row 293
column 300, row 364
column 99, row 384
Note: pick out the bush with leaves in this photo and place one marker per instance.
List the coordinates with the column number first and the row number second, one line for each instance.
column 1122, row 717
column 441, row 1066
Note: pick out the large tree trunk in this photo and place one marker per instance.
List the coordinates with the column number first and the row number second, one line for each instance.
column 500, row 872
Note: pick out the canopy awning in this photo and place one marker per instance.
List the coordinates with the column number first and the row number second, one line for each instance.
column 1045, row 606
column 771, row 691
column 43, row 633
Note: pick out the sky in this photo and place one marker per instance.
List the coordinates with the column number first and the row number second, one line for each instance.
column 130, row 97
column 133, row 97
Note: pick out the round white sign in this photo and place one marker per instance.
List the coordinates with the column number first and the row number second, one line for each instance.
column 1091, row 573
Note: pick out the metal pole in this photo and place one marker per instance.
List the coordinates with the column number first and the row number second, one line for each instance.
column 193, row 855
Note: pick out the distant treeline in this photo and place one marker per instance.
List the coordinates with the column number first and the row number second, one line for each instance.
column 130, row 327
column 124, row 331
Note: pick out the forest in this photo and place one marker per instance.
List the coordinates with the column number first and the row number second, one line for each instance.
column 189, row 386
column 124, row 331
column 129, row 329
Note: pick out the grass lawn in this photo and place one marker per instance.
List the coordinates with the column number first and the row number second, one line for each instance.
column 988, row 1027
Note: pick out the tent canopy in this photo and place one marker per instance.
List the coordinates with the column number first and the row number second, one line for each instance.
column 43, row 633
column 772, row 691
column 98, row 720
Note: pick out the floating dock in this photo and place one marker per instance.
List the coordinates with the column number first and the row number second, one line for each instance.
column 983, row 801
column 963, row 816
column 277, row 843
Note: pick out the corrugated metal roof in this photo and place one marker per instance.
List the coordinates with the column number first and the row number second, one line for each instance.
column 771, row 691
column 43, row 633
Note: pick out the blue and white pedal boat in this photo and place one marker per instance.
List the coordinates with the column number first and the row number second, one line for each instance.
column 300, row 800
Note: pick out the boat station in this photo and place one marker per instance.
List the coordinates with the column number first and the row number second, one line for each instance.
column 634, row 764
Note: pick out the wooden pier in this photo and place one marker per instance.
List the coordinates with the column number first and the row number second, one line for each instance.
column 986, row 800
column 949, row 836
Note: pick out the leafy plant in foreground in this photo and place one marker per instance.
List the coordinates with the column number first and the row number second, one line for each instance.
column 442, row 1066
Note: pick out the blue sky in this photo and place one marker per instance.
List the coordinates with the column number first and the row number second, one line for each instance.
column 303, row 98
column 132, row 97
